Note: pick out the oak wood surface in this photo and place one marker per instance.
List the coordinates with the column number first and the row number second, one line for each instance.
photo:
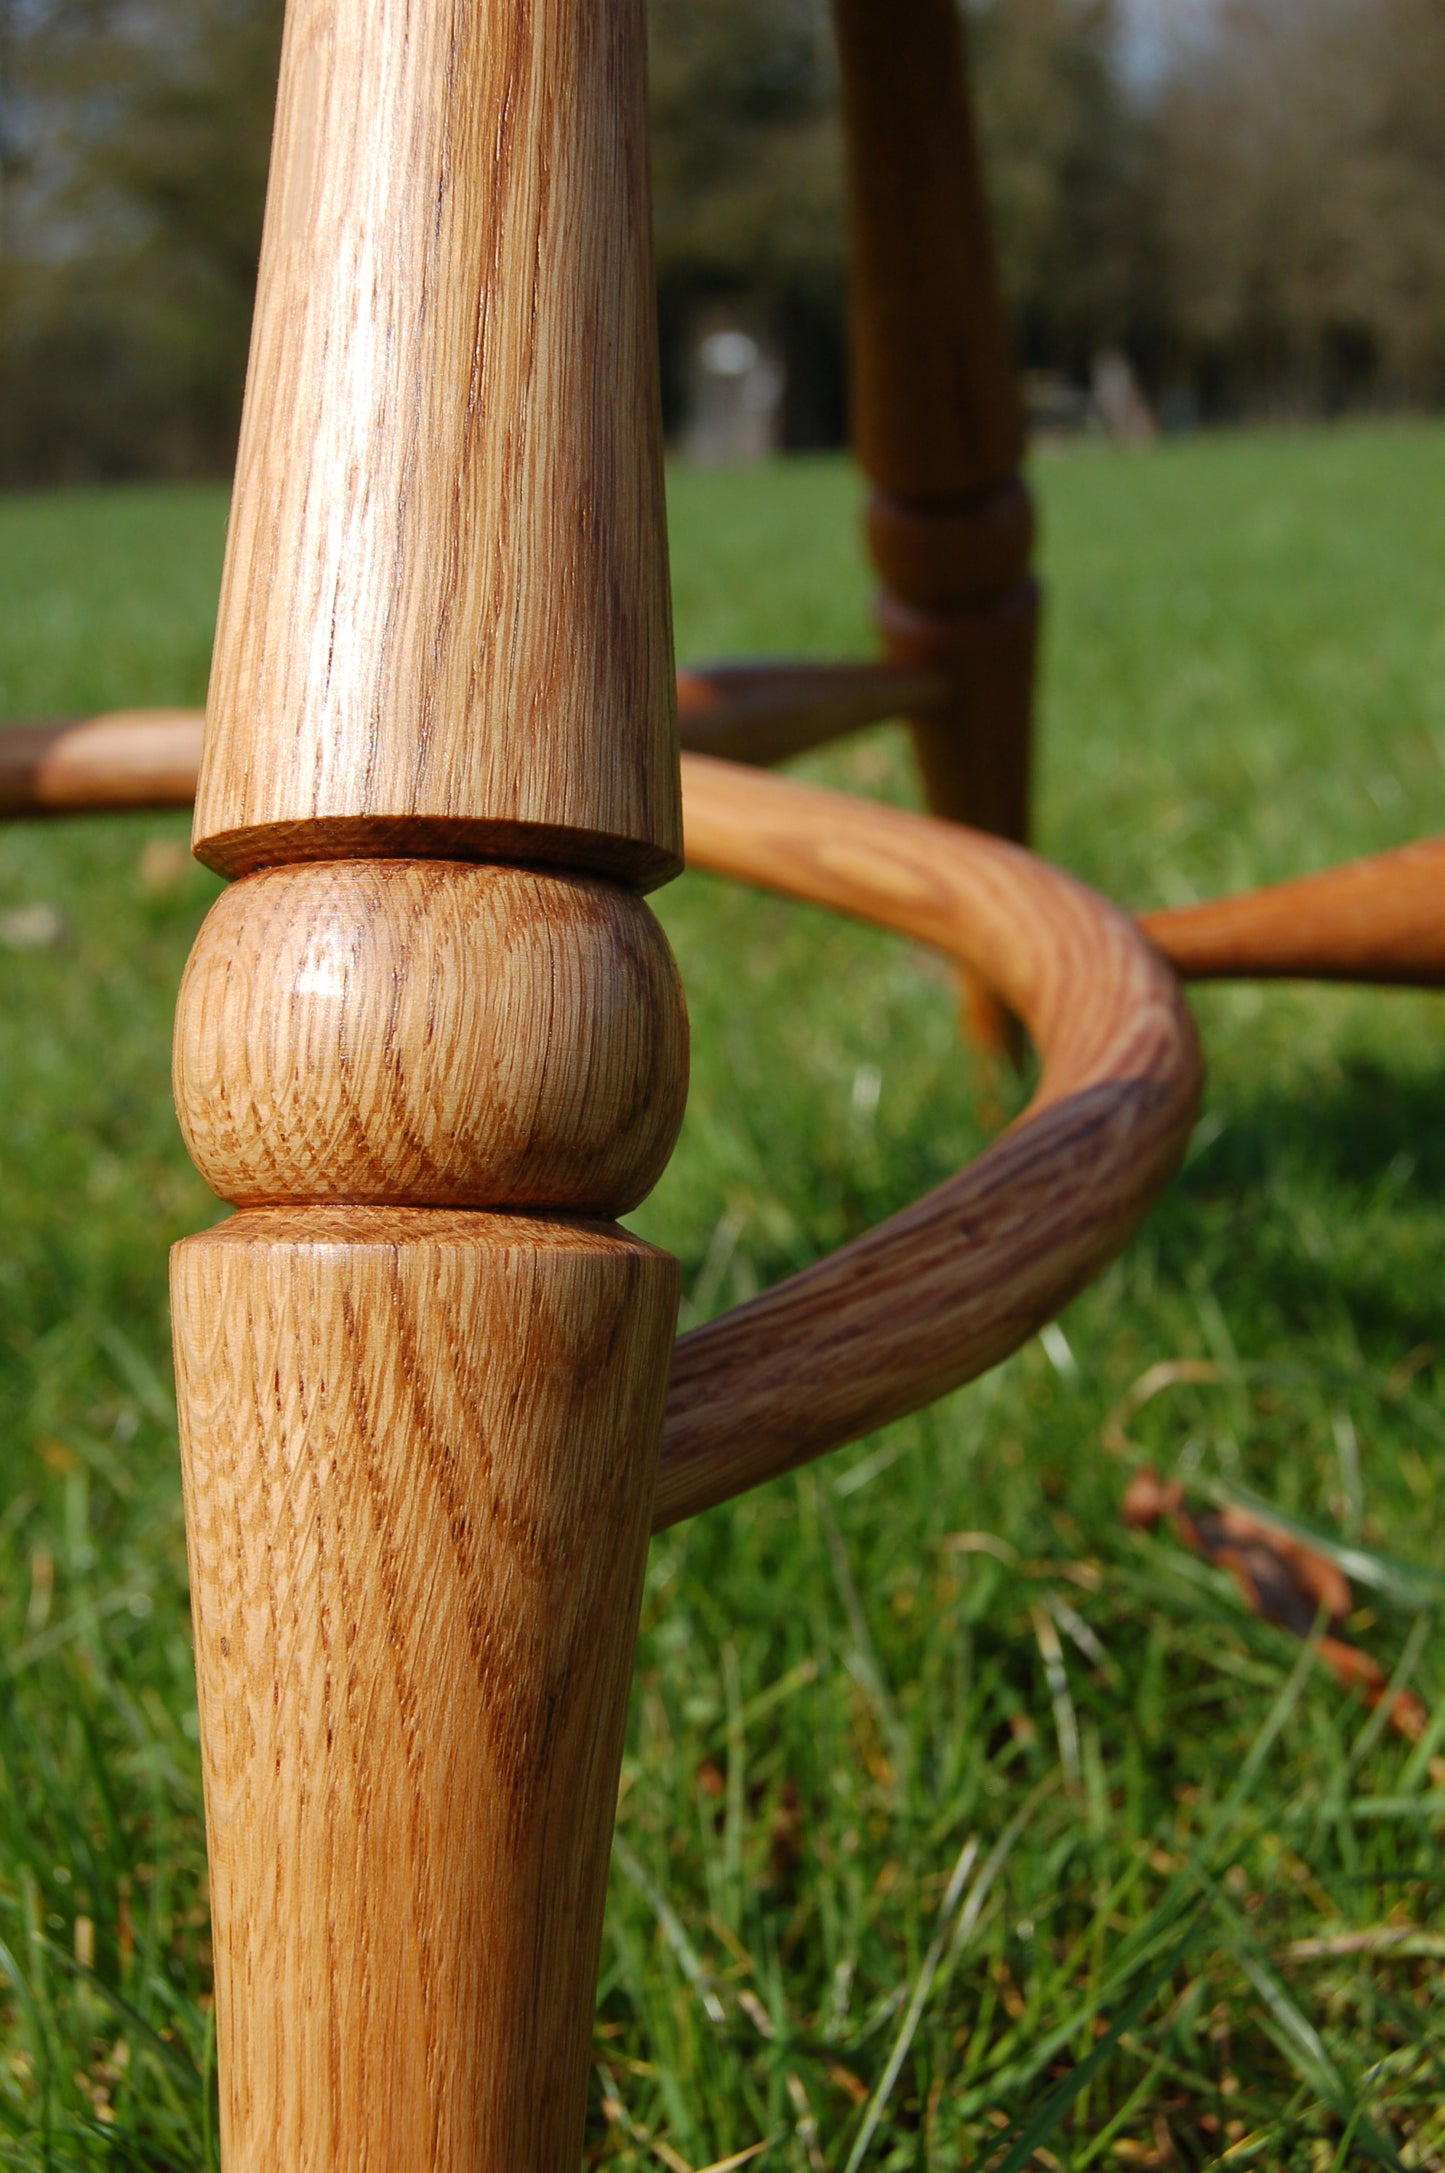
column 431, row 1034
column 938, row 420
column 945, row 1289
column 944, row 556
column 975, row 748
column 761, row 711
column 1381, row 919
column 420, row 1442
column 418, row 1450
column 444, row 624
column 346, row 1300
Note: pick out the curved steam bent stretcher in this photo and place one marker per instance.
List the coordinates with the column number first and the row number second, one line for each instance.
column 922, row 1303
column 951, row 1285
column 947, row 1288
column 942, row 1291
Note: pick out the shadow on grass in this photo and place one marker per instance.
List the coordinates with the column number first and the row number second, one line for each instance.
column 1362, row 1128
column 1319, row 1208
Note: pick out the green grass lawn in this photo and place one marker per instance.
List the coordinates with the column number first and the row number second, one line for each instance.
column 960, row 1825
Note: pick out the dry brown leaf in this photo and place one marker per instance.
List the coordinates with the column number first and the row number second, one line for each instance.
column 1280, row 1579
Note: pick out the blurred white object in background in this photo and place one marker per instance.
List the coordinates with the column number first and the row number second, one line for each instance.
column 735, row 390
column 1119, row 401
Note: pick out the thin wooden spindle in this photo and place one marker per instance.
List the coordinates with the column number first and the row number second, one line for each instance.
column 937, row 419
column 762, row 713
column 126, row 758
column 419, row 1421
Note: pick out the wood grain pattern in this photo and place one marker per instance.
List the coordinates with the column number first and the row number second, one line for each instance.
column 945, row 1289
column 418, row 1452
column 754, row 712
column 1380, row 919
column 430, row 1034
column 420, row 1442
column 444, row 625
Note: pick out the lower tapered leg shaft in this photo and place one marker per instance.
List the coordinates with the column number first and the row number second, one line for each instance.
column 419, row 1452
column 974, row 749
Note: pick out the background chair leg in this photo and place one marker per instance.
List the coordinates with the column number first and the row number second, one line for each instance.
column 421, row 1373
column 937, row 419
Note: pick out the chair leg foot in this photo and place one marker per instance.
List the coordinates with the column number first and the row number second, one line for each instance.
column 419, row 1451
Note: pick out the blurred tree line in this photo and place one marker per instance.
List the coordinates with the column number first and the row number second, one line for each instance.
column 1256, row 216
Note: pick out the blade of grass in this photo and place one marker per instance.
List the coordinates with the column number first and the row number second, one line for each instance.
column 864, row 1664
column 949, row 1939
column 1138, row 1948
column 1056, row 1674
column 1298, row 2038
column 670, row 1926
column 1044, row 2122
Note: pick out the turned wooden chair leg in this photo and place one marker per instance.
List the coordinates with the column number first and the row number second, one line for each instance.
column 429, row 1044
column 937, row 419
column 431, row 1040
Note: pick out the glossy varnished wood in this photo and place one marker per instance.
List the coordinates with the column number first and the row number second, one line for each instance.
column 419, row 1441
column 444, row 623
column 418, row 1489
column 431, row 1034
column 755, row 712
column 952, row 1284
